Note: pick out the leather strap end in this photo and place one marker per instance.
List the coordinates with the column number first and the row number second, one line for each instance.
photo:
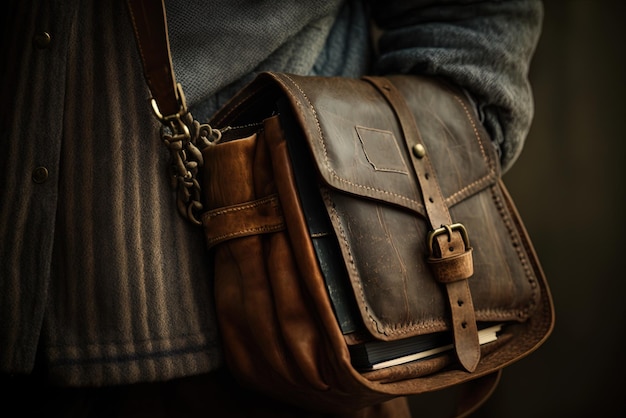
column 465, row 330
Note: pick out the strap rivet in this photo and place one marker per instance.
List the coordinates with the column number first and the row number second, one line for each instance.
column 419, row 151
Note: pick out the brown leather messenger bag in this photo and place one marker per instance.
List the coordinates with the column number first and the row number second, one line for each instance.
column 363, row 242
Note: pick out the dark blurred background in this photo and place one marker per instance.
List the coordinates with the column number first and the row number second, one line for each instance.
column 569, row 188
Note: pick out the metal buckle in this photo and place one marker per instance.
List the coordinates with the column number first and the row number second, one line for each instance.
column 174, row 121
column 447, row 229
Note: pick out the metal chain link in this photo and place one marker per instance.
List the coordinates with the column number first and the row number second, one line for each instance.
column 185, row 139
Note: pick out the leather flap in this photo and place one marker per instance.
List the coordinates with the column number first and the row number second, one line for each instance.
column 355, row 142
column 359, row 148
column 375, row 203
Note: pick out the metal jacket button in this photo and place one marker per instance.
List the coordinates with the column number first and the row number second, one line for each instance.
column 40, row 175
column 42, row 40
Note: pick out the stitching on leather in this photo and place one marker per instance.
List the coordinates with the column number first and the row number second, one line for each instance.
column 405, row 327
column 520, row 248
column 246, row 232
column 333, row 211
column 342, row 235
column 476, row 134
column 390, row 329
column 361, row 131
column 237, row 208
column 409, row 327
column 459, row 194
column 334, row 174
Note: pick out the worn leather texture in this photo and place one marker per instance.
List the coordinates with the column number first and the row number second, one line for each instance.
column 383, row 195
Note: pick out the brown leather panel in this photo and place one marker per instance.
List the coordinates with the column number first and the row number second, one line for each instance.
column 150, row 25
column 393, row 297
column 250, row 218
column 464, row 327
column 383, row 243
column 279, row 331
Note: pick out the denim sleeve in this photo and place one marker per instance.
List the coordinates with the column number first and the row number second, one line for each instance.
column 484, row 47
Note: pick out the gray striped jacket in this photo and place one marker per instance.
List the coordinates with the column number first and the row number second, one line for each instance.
column 97, row 269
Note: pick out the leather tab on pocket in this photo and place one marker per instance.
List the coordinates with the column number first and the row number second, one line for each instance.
column 250, row 218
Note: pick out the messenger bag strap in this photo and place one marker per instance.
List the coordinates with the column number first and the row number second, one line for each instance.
column 182, row 138
column 450, row 253
column 150, row 25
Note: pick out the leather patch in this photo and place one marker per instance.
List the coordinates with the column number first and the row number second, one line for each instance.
column 381, row 150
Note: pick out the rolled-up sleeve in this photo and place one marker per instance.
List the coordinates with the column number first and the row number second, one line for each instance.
column 485, row 47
